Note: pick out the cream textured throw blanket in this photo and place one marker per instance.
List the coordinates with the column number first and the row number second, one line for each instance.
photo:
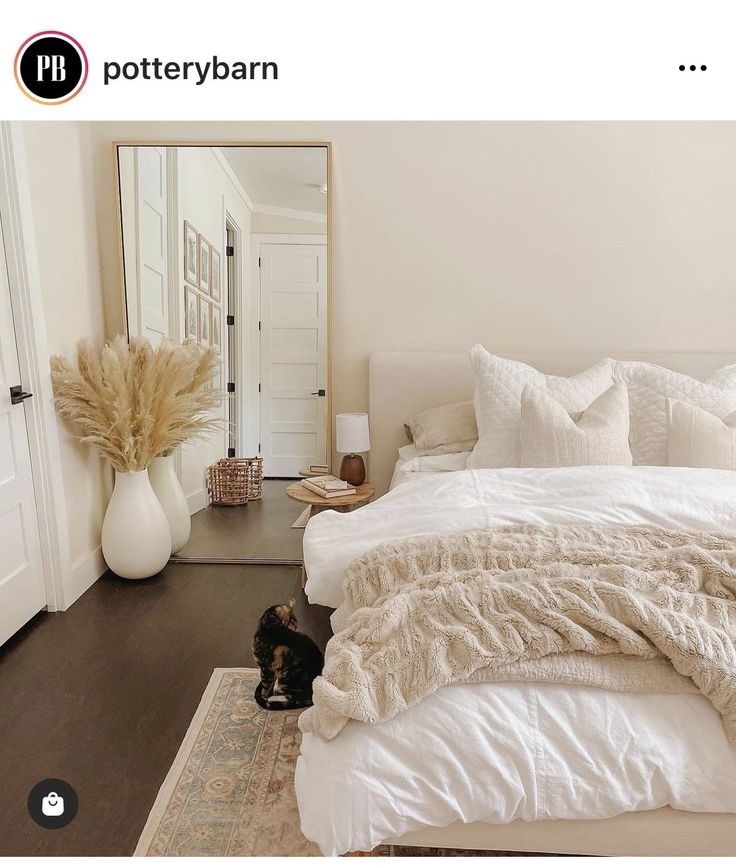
column 626, row 608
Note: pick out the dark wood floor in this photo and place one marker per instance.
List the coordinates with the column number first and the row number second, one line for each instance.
column 258, row 531
column 102, row 694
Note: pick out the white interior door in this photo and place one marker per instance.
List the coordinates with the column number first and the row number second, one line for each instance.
column 293, row 357
column 151, row 225
column 22, row 590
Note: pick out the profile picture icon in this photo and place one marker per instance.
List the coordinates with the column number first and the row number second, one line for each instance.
column 51, row 67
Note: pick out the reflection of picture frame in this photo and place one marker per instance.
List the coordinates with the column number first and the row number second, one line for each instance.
column 215, row 275
column 216, row 327
column 204, row 264
column 204, row 322
column 191, row 254
column 191, row 314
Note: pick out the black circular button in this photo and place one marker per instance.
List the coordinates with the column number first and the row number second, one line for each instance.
column 53, row 804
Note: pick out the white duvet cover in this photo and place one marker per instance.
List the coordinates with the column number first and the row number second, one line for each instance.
column 501, row 752
column 672, row 498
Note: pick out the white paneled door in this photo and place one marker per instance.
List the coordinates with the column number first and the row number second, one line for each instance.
column 151, row 219
column 22, row 590
column 293, row 357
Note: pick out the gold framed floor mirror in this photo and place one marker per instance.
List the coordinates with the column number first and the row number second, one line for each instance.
column 229, row 244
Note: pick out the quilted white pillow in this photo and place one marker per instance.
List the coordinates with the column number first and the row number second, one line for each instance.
column 598, row 436
column 499, row 383
column 649, row 388
column 698, row 438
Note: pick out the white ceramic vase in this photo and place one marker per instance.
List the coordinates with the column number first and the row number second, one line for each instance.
column 173, row 501
column 136, row 539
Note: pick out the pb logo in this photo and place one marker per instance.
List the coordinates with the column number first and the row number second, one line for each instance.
column 51, row 67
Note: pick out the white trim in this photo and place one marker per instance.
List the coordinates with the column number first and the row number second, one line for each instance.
column 232, row 177
column 239, row 352
column 307, row 215
column 83, row 573
column 27, row 298
column 197, row 500
column 174, row 266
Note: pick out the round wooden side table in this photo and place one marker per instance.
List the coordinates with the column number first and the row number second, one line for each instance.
column 318, row 503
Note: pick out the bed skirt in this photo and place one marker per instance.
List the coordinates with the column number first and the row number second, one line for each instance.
column 659, row 832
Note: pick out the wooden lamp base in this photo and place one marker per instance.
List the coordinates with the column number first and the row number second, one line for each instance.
column 352, row 469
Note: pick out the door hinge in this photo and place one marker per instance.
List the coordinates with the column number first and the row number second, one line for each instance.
column 259, row 387
column 231, row 452
column 229, row 251
column 259, row 261
column 259, row 325
column 259, row 447
column 230, row 320
column 231, row 387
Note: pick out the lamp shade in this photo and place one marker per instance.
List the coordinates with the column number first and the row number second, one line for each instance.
column 352, row 433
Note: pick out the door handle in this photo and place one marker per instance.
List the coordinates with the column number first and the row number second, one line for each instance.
column 18, row 395
column 320, row 393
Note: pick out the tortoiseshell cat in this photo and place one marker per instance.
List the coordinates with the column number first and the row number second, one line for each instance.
column 289, row 660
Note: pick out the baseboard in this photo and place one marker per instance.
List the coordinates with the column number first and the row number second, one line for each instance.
column 197, row 500
column 84, row 572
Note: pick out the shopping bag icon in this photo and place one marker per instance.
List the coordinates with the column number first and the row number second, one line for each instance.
column 52, row 804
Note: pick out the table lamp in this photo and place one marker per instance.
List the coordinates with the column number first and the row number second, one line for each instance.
column 352, row 437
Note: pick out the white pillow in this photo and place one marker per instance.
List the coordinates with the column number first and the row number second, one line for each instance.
column 649, row 388
column 699, row 438
column 499, row 383
column 597, row 436
column 443, row 429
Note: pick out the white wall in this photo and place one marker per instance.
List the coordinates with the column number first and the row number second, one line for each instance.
column 59, row 162
column 602, row 237
column 273, row 224
column 206, row 194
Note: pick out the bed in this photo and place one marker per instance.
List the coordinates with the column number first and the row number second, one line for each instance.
column 541, row 767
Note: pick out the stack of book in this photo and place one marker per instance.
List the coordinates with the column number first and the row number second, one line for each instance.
column 328, row 486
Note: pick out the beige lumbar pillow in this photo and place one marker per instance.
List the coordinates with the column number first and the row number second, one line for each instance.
column 597, row 436
column 443, row 429
column 696, row 437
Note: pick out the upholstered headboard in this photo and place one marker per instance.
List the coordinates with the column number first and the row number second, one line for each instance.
column 405, row 382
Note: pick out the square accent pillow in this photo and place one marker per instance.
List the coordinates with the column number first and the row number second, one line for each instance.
column 499, row 384
column 443, row 429
column 650, row 386
column 698, row 438
column 597, row 436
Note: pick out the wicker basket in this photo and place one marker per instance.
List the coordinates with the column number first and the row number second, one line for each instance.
column 235, row 480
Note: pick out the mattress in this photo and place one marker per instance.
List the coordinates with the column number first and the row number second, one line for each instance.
column 497, row 753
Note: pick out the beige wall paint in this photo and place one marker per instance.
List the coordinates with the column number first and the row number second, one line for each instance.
column 598, row 237
column 59, row 162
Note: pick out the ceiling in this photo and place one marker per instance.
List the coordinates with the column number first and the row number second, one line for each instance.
column 283, row 177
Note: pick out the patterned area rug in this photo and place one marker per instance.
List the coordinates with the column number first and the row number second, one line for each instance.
column 230, row 791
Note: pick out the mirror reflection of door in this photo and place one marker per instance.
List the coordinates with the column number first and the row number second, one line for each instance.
column 293, row 350
column 196, row 221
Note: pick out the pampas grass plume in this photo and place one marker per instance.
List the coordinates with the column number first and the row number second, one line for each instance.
column 134, row 402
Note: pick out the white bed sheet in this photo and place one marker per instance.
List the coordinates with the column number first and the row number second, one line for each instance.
column 411, row 466
column 501, row 752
